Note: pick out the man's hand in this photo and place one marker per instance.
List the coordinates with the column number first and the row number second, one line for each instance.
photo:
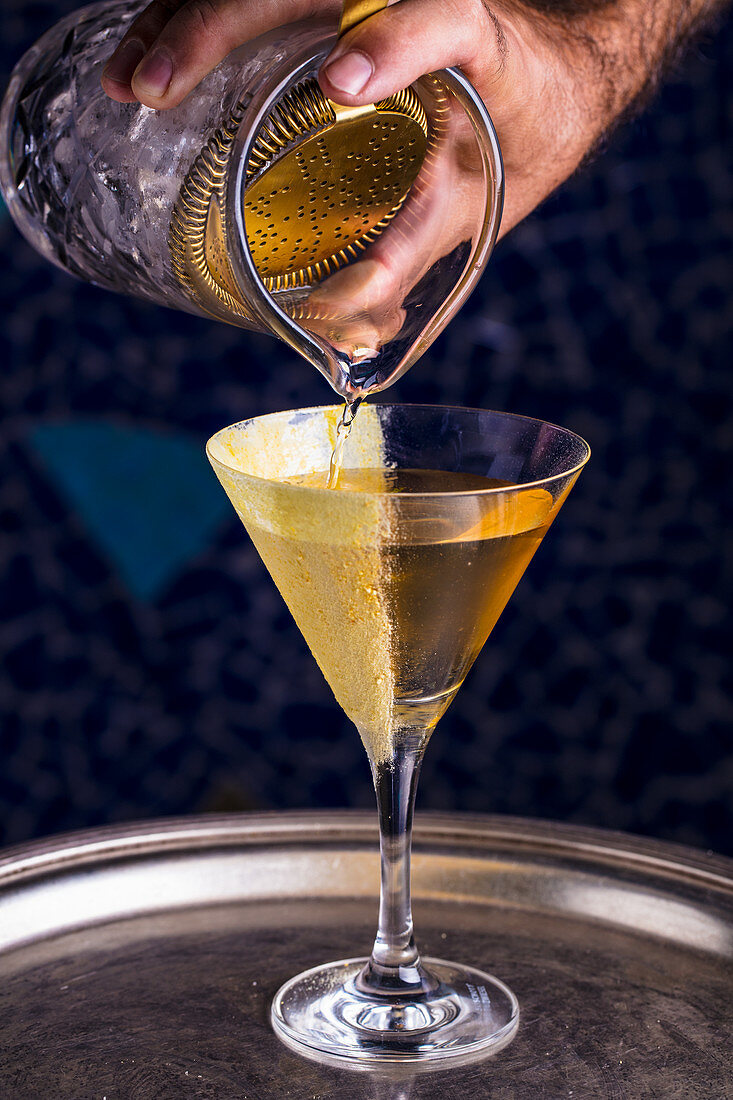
column 554, row 74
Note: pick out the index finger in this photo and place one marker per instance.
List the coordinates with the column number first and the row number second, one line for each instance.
column 173, row 44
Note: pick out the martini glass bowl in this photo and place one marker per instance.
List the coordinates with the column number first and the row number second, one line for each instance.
column 396, row 578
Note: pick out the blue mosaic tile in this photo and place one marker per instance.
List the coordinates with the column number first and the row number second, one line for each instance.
column 149, row 500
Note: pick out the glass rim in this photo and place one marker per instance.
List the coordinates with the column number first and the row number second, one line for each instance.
column 446, row 493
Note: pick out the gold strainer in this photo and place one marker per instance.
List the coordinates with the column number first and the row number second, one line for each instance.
column 322, row 181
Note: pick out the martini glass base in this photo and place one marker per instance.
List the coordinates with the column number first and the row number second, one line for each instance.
column 323, row 1015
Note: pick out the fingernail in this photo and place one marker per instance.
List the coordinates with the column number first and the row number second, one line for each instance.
column 154, row 74
column 124, row 61
column 350, row 72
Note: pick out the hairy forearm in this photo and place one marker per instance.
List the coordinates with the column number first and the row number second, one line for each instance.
column 623, row 48
column 585, row 65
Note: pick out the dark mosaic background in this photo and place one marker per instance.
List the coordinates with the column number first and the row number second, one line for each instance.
column 148, row 665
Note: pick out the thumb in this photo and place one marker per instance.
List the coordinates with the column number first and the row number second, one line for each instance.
column 392, row 48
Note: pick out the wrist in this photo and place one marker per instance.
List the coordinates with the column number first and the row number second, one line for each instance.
column 553, row 110
column 616, row 51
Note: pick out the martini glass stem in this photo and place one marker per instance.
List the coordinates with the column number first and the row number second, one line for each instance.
column 394, row 967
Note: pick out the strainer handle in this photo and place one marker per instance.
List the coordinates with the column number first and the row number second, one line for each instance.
column 354, row 11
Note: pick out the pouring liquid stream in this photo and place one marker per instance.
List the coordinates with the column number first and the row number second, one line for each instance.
column 343, row 430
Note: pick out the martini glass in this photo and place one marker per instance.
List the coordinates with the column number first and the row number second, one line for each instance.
column 395, row 578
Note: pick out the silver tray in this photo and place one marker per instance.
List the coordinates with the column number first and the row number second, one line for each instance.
column 140, row 962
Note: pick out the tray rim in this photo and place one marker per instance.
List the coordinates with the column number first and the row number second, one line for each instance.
column 460, row 832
